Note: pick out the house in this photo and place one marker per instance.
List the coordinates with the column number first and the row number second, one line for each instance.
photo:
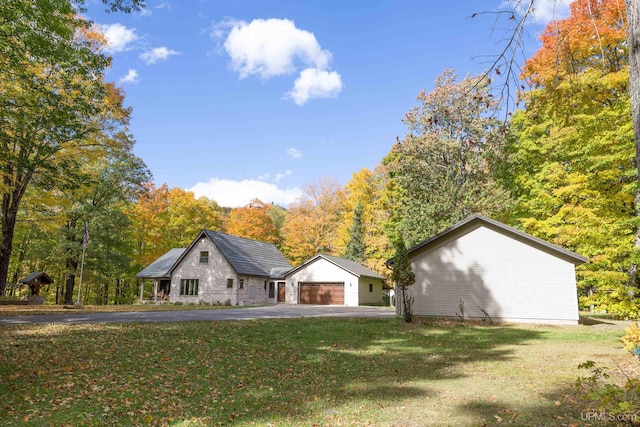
column 225, row 269
column 158, row 272
column 325, row 279
column 483, row 269
column 221, row 268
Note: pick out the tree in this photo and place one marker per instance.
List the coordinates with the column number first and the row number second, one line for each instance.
column 311, row 222
column 366, row 188
column 167, row 218
column 110, row 188
column 594, row 10
column 356, row 248
column 571, row 162
column 443, row 169
column 278, row 216
column 52, row 99
column 253, row 222
column 403, row 276
column 633, row 43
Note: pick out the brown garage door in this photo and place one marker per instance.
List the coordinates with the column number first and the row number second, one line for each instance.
column 322, row 293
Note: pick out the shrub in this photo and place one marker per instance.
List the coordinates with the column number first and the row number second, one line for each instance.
column 631, row 339
column 610, row 398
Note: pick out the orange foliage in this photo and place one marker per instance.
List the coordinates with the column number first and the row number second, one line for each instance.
column 253, row 222
column 591, row 38
column 311, row 223
column 169, row 218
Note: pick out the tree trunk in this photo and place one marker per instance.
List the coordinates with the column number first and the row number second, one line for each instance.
column 117, row 298
column 69, row 285
column 633, row 40
column 9, row 214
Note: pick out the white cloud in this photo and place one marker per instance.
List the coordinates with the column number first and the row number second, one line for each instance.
column 547, row 10
column 314, row 83
column 294, row 153
column 544, row 10
column 131, row 77
column 275, row 47
column 278, row 177
column 270, row 47
column 118, row 37
column 229, row 193
column 282, row 175
column 154, row 55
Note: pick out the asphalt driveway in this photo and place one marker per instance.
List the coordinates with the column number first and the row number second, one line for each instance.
column 280, row 311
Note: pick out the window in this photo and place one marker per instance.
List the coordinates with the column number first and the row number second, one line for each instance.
column 189, row 287
column 241, row 283
column 204, row 257
column 229, row 283
column 272, row 290
column 370, row 287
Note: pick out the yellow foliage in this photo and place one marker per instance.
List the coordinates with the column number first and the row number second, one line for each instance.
column 631, row 338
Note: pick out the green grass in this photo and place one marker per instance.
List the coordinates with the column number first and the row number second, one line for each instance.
column 306, row 372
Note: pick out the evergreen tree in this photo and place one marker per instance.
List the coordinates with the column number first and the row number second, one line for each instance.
column 356, row 247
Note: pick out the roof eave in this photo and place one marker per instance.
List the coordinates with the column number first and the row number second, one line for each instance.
column 573, row 257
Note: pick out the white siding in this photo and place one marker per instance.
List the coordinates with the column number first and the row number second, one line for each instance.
column 367, row 297
column 322, row 270
column 487, row 270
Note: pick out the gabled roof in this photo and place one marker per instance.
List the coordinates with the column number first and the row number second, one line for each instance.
column 475, row 221
column 38, row 275
column 247, row 257
column 346, row 264
column 162, row 266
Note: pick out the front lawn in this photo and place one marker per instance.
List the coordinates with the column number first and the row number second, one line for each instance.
column 324, row 372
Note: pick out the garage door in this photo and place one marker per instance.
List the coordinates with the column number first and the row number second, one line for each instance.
column 322, row 293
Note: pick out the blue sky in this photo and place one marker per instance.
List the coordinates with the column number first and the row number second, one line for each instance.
column 237, row 99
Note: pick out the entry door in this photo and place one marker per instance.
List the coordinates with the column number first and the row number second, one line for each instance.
column 281, row 291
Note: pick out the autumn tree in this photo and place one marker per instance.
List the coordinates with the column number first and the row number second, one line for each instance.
column 253, row 222
column 52, row 99
column 572, row 155
column 311, row 222
column 443, row 169
column 366, row 188
column 110, row 187
column 166, row 218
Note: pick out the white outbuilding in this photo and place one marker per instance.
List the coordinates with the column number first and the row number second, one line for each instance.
column 483, row 269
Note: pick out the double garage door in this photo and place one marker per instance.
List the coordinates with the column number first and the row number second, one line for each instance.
column 322, row 293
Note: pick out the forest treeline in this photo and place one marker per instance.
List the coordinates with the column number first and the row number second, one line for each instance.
column 561, row 168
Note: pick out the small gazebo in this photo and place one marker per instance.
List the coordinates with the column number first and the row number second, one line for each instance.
column 36, row 281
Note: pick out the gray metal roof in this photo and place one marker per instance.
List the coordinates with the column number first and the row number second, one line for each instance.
column 346, row 264
column 162, row 266
column 249, row 257
column 37, row 275
column 479, row 219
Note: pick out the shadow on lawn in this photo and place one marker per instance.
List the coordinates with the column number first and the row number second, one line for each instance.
column 293, row 371
column 280, row 372
column 347, row 367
